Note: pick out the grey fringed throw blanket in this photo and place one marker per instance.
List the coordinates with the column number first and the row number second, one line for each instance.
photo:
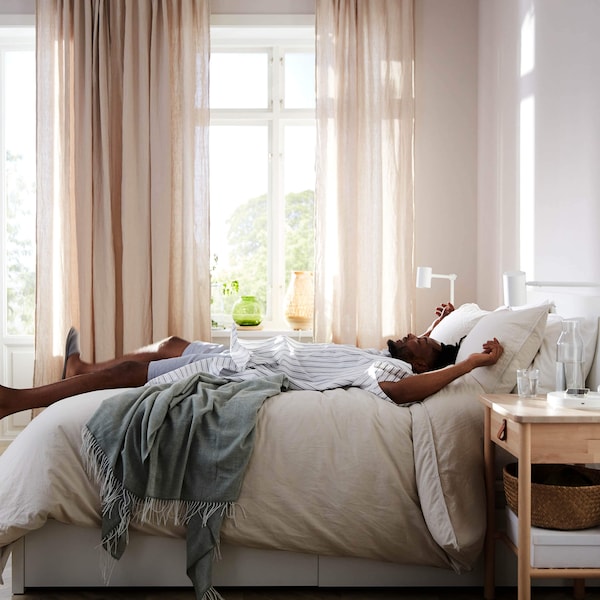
column 175, row 452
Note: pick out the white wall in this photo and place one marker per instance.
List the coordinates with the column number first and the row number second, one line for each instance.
column 17, row 7
column 446, row 149
column 539, row 141
column 567, row 158
column 497, row 223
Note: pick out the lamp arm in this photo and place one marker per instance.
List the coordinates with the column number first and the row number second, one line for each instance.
column 452, row 278
column 586, row 284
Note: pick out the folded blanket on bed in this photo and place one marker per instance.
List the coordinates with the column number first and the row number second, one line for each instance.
column 175, row 452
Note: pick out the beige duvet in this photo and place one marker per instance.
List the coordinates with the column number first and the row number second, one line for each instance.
column 338, row 472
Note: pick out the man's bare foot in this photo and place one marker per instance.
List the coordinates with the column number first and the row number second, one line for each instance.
column 74, row 366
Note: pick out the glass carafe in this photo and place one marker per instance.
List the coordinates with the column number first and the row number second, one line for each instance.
column 569, row 357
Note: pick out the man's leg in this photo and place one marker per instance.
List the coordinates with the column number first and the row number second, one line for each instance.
column 123, row 374
column 168, row 348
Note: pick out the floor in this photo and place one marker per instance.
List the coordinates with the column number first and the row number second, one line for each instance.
column 277, row 594
column 291, row 594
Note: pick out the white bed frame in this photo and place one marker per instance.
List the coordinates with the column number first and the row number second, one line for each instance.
column 66, row 556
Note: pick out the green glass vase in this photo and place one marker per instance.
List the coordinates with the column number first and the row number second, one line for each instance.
column 247, row 312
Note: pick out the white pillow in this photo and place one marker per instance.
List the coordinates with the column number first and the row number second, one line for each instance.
column 519, row 331
column 454, row 327
column 545, row 359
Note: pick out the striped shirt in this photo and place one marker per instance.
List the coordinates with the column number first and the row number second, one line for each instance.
column 307, row 366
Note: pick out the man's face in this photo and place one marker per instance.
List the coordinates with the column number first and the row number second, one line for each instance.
column 420, row 352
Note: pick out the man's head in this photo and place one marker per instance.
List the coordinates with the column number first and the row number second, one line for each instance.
column 423, row 353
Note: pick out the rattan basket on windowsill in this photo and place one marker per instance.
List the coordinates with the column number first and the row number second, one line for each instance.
column 562, row 496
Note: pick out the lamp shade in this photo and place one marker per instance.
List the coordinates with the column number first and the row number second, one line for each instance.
column 515, row 290
column 424, row 277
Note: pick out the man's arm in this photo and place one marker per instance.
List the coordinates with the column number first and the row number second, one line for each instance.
column 419, row 387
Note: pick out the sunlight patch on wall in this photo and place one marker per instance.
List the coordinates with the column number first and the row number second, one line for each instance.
column 527, row 147
column 528, row 43
column 527, row 184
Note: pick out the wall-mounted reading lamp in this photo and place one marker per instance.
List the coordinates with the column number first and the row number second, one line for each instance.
column 425, row 275
column 515, row 287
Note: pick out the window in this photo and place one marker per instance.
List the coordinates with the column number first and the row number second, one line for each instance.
column 262, row 141
column 17, row 178
column 262, row 158
column 17, row 214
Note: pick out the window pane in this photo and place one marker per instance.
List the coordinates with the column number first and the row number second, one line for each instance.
column 239, row 176
column 262, row 169
column 299, row 185
column 299, row 80
column 19, row 169
column 239, row 80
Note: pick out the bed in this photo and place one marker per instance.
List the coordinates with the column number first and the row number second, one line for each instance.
column 342, row 488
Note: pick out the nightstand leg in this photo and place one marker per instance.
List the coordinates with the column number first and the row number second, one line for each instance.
column 524, row 500
column 490, row 534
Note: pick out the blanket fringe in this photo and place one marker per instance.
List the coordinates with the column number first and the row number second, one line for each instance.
column 132, row 508
column 212, row 594
column 107, row 564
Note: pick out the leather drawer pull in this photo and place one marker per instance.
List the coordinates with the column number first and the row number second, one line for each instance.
column 503, row 431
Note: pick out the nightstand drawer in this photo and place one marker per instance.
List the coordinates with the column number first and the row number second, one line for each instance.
column 505, row 433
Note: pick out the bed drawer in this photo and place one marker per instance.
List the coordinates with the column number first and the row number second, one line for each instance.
column 59, row 555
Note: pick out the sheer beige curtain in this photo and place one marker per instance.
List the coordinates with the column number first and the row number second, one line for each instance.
column 364, row 190
column 123, row 235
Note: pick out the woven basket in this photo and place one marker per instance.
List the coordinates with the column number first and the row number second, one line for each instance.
column 562, row 496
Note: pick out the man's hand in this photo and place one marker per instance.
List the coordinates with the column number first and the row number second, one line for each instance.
column 491, row 353
column 444, row 310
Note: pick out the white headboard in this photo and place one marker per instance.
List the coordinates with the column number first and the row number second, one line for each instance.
column 572, row 300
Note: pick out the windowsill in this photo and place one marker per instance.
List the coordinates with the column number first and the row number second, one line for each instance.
column 222, row 336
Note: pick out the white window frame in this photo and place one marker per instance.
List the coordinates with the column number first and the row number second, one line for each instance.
column 274, row 34
column 16, row 351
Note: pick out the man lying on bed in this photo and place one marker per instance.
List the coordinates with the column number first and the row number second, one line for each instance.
column 412, row 368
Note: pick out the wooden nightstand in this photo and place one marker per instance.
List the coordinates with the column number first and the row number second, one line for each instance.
column 533, row 432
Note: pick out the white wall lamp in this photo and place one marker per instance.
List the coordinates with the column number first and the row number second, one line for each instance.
column 515, row 286
column 425, row 275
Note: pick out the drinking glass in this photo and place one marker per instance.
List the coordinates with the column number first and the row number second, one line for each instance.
column 534, row 377
column 523, row 386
